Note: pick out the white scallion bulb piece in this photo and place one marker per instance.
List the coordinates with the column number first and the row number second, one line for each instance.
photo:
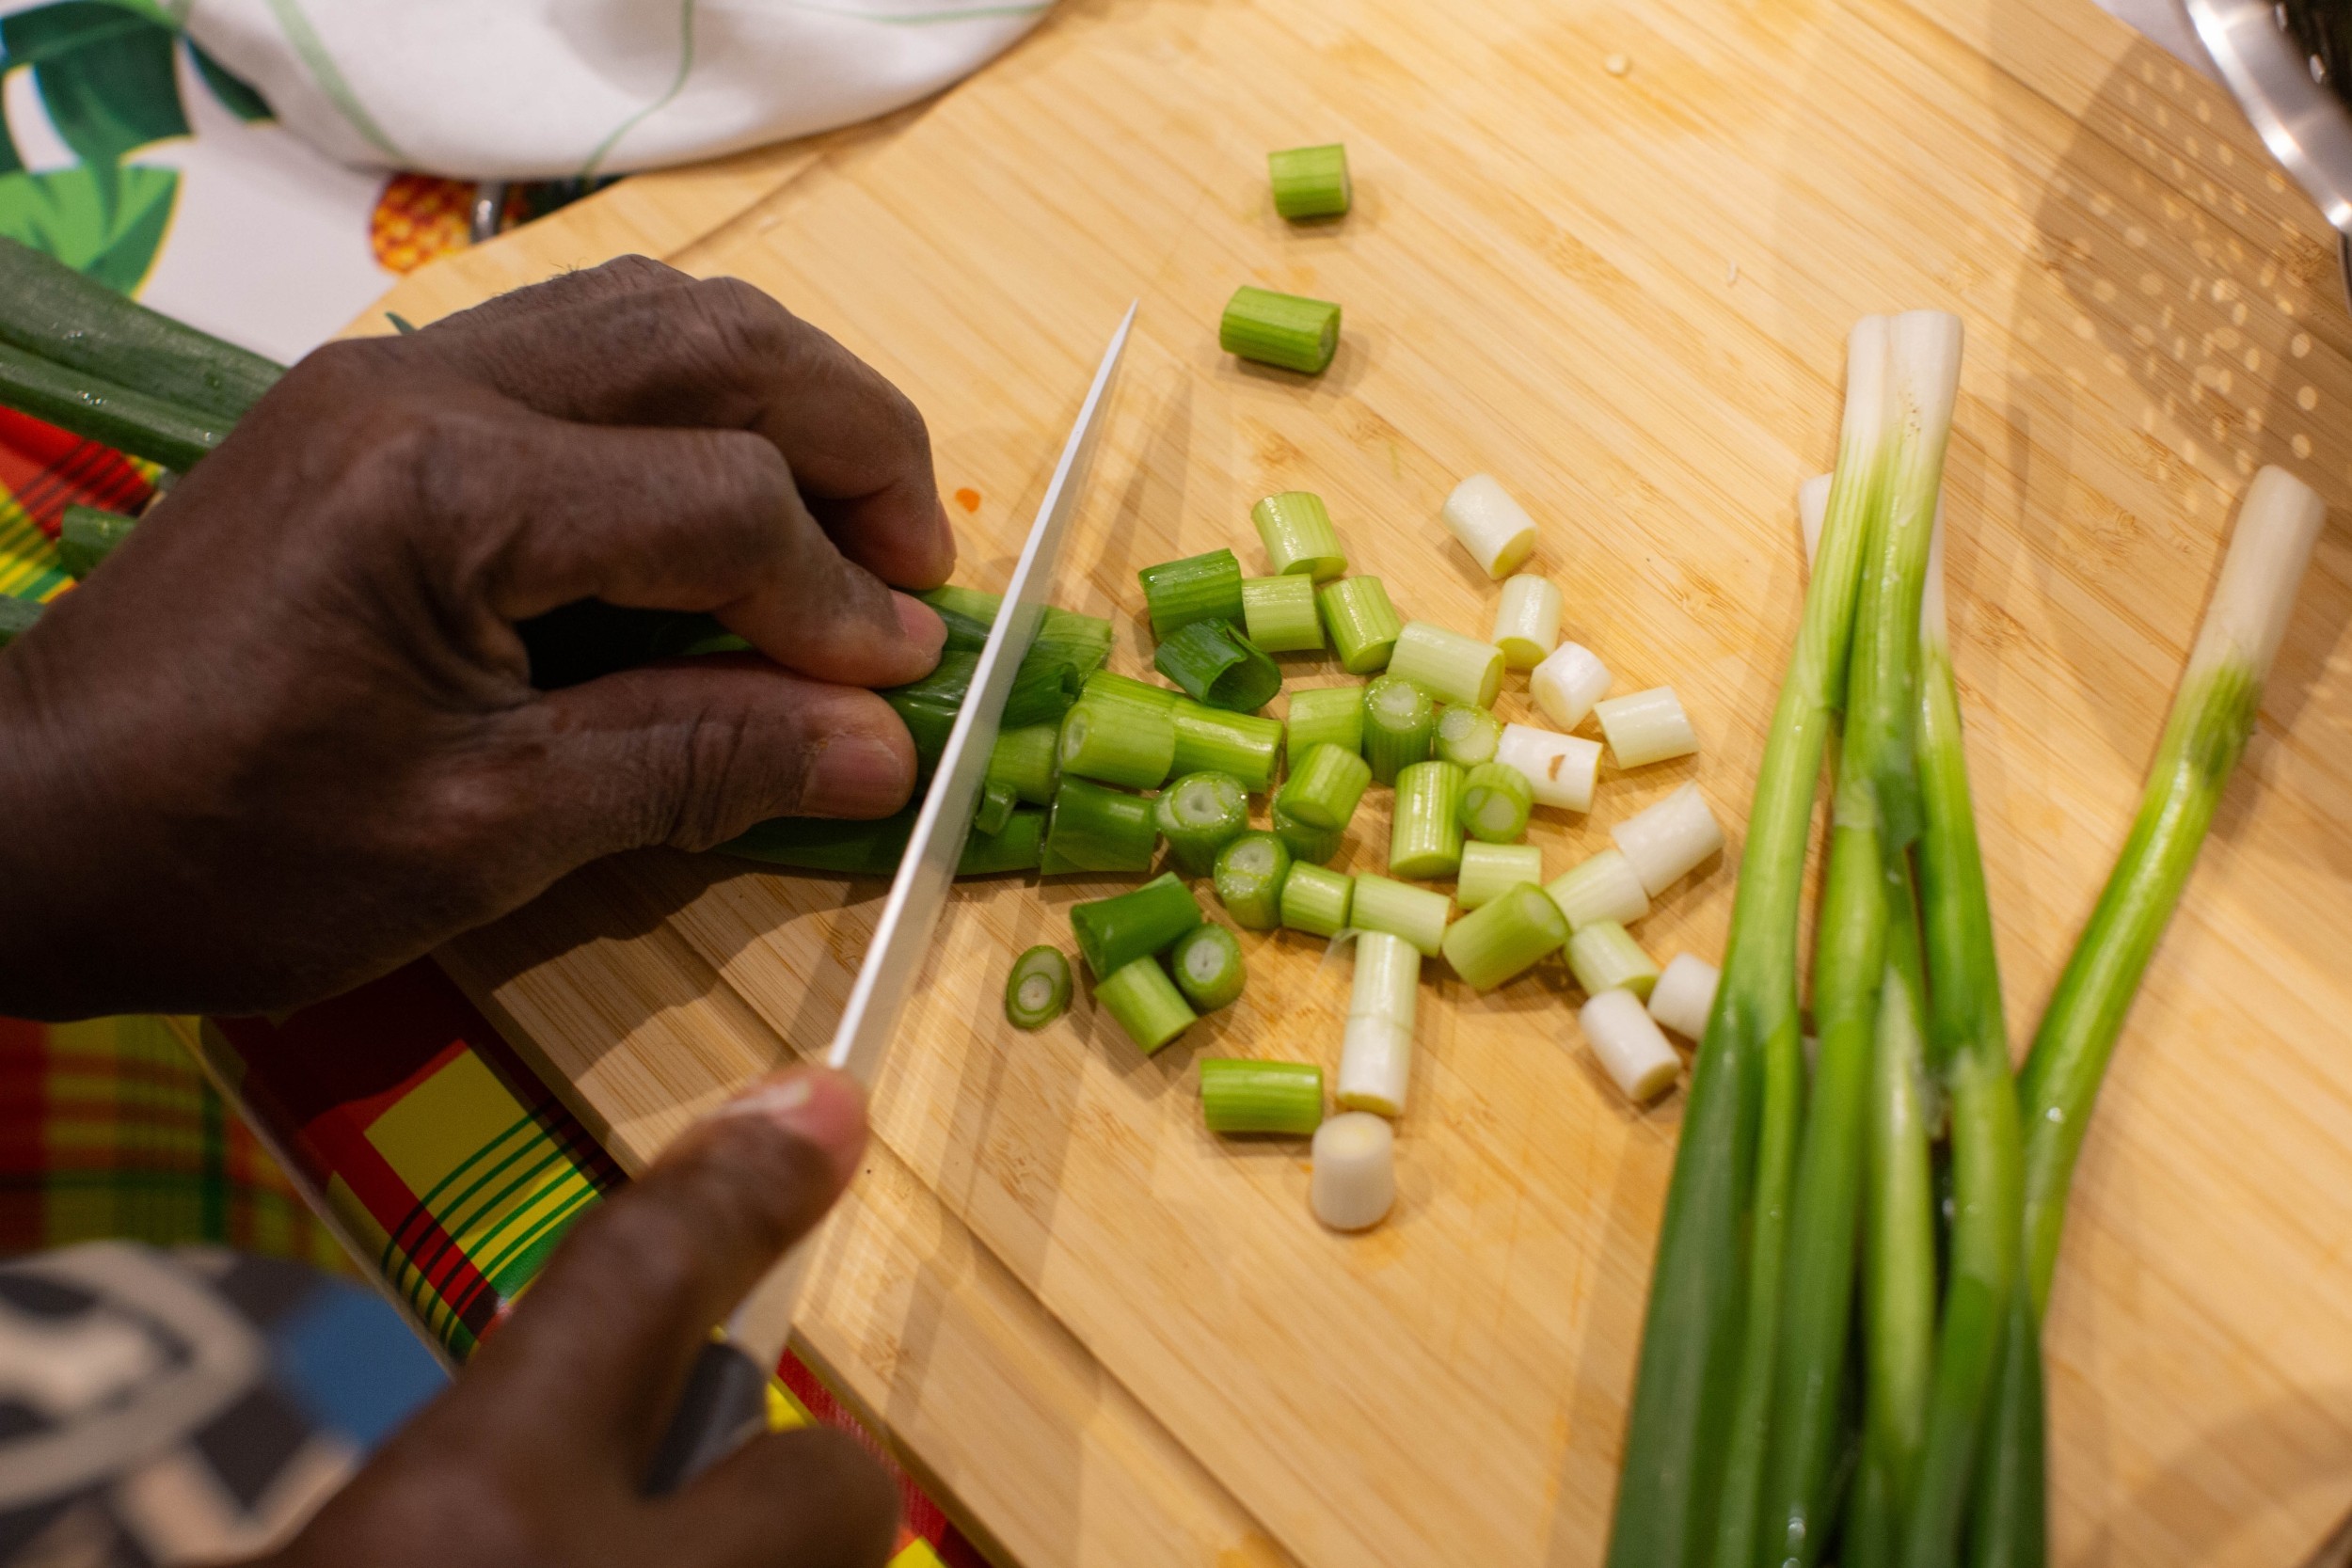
column 1647, row 726
column 1377, row 1051
column 1496, row 530
column 1527, row 621
column 1602, row 887
column 1670, row 838
column 1354, row 1182
column 1567, row 683
column 1560, row 768
column 1685, row 995
column 1638, row 1058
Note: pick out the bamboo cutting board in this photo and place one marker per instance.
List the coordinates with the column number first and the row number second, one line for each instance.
column 1108, row 1339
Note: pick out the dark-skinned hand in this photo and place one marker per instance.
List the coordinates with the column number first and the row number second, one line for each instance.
column 535, row 1458
column 286, row 738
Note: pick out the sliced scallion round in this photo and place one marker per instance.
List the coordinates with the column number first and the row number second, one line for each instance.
column 1488, row 869
column 1504, row 937
column 1451, row 668
column 1279, row 613
column 1426, row 832
column 1037, row 990
column 1287, row 332
column 1206, row 962
column 1295, row 529
column 1465, row 736
column 1324, row 788
column 1202, row 587
column 1527, row 620
column 1497, row 801
column 1316, row 901
column 1199, row 815
column 1399, row 720
column 1250, row 872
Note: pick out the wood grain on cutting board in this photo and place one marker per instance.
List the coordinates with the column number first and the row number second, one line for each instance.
column 1624, row 295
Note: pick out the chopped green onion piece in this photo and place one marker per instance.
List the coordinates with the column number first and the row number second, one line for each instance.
column 1449, row 667
column 1287, row 332
column 1144, row 1002
column 1120, row 743
column 1199, row 815
column 1487, row 869
column 1377, row 1050
column 1667, row 841
column 1527, row 621
column 1114, row 932
column 1296, row 530
column 1261, row 1097
column 17, row 617
column 1399, row 723
column 86, row 536
column 1316, row 901
column 1636, row 1056
column 1644, row 727
column 1207, row 963
column 1250, row 872
column 1326, row 716
column 1567, row 683
column 1560, row 768
column 1353, row 1184
column 1425, row 832
column 1496, row 530
column 1305, row 841
column 1105, row 687
column 1311, row 181
column 1197, row 588
column 1023, row 761
column 1094, row 828
column 1037, row 990
column 1465, row 737
column 1324, row 788
column 1211, row 740
column 1417, row 914
column 1218, row 665
column 1279, row 613
column 1496, row 802
column 1605, row 956
column 1603, row 887
column 1363, row 624
column 1684, row 994
column 995, row 810
column 1504, row 937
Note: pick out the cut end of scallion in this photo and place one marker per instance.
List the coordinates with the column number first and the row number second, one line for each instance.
column 1567, row 683
column 1037, row 990
column 1207, row 963
column 1647, row 726
column 1250, row 872
column 1496, row 530
column 1287, row 332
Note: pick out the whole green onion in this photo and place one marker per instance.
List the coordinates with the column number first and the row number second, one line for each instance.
column 1324, row 788
column 1114, row 932
column 1023, row 761
column 1280, row 614
column 1399, row 721
column 1287, row 332
column 1218, row 665
column 1197, row 588
column 1296, row 531
column 1316, row 901
column 1326, row 716
column 1497, row 801
column 1094, row 828
column 1211, row 740
column 1120, row 743
column 1145, row 1003
column 1465, row 736
column 1311, row 181
column 1037, row 990
column 1363, row 624
column 1207, row 964
column 1199, row 815
column 1304, row 840
column 1425, row 832
column 1455, row 670
column 1261, row 1097
column 1487, row 869
column 1250, row 872
column 1504, row 937
column 1417, row 914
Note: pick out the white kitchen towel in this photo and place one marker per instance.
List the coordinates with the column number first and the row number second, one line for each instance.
column 536, row 89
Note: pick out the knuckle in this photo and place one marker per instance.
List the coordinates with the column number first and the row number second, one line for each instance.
column 741, row 325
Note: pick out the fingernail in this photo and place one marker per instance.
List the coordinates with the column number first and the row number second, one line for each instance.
column 855, row 775
column 816, row 1105
column 923, row 626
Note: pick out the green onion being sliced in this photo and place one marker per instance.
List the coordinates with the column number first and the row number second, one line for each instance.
column 1487, row 869
column 1144, row 1002
column 1199, row 815
column 1197, row 588
column 1324, row 788
column 109, row 412
column 1250, row 872
column 1527, row 621
column 1497, row 801
column 1505, row 937
column 1425, row 832
column 1106, row 687
column 1218, row 665
column 1114, row 932
column 1377, row 1050
column 1043, row 689
column 1304, row 840
column 1417, row 914
column 1023, row 761
column 1037, row 990
column 1604, row 957
column 1211, row 740
column 1327, row 716
column 1451, row 668
column 1280, row 614
column 995, row 808
column 1296, row 530
column 1399, row 723
column 1311, row 181
column 86, row 536
column 1602, row 887
column 1120, row 743
column 1287, row 332
column 1316, row 901
column 1261, row 1097
column 1465, row 737
column 1206, row 962
column 869, row 849
column 1363, row 624
column 1083, row 641
column 1094, row 828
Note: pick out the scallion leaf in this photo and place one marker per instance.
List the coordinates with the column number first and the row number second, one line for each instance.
column 1218, row 665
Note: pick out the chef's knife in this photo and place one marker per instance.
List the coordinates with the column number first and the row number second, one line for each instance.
column 726, row 1401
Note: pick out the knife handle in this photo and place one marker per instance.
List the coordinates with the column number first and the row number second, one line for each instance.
column 724, row 1406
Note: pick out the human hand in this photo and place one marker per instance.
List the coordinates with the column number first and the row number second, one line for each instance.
column 286, row 738
column 535, row 1457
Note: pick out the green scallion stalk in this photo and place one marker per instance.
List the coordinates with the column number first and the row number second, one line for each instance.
column 1417, row 914
column 1211, row 740
column 1106, row 686
column 1215, row 664
column 1327, row 716
column 1206, row 962
column 1144, row 1002
column 874, row 848
column 1197, row 588
column 1465, row 737
column 1316, row 901
column 17, row 615
column 1304, row 840
column 1377, row 1047
column 1120, row 743
column 1114, row 932
column 1094, row 828
column 994, row 809
column 1280, row 614
column 1603, row 955
column 1044, row 688
column 1250, row 873
column 1311, row 181
column 1454, row 669
column 2009, row 1526
column 109, row 412
column 1295, row 529
column 1363, row 624
column 1497, row 801
column 1487, row 869
column 1287, row 332
column 86, row 536
column 968, row 613
column 1602, row 887
column 1425, row 832
column 1023, row 761
column 1261, row 1097
column 1199, row 815
column 1399, row 722
column 1504, row 937
column 1037, row 990
column 1083, row 641
column 1324, row 788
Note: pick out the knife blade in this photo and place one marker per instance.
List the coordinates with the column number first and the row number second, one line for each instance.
column 724, row 1403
